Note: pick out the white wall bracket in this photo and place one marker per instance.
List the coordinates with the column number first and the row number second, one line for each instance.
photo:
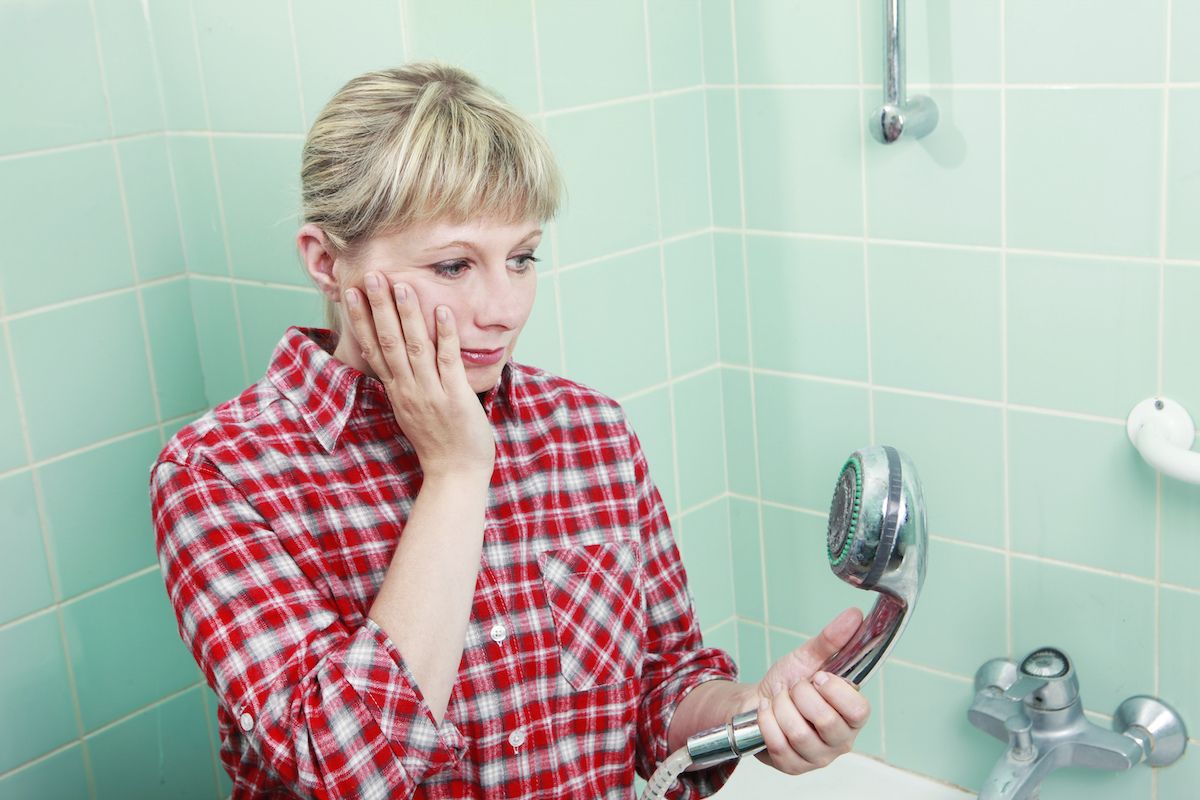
column 1163, row 432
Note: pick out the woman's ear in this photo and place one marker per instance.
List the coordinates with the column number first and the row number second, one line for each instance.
column 319, row 257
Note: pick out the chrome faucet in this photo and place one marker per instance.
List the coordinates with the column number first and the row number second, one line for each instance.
column 1035, row 707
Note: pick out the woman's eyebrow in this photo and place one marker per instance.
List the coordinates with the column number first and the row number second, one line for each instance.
column 467, row 245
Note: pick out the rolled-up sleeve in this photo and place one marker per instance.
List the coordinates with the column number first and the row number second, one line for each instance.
column 676, row 660
column 331, row 709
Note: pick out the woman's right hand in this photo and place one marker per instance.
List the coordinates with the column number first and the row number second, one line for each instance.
column 426, row 381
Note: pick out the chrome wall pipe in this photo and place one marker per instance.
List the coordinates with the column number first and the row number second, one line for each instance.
column 899, row 115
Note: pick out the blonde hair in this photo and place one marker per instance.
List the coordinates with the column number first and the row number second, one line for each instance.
column 423, row 142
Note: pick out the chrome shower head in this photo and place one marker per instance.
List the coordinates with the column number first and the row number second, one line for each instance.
column 877, row 541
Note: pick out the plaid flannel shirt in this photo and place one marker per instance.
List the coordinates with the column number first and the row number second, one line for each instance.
column 276, row 516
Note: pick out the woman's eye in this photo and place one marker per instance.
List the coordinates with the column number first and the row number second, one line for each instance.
column 450, row 269
column 523, row 262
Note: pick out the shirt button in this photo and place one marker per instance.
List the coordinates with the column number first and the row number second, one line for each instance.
column 516, row 738
column 246, row 722
column 499, row 633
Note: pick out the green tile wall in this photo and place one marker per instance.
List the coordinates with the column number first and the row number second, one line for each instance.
column 761, row 285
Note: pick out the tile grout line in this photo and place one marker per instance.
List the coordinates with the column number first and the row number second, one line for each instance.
column 84, row 595
column 291, row 13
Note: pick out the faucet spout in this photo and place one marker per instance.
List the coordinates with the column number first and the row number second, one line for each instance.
column 1014, row 779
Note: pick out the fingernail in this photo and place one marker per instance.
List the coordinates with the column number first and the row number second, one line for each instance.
column 820, row 678
column 442, row 315
column 372, row 280
column 351, row 297
column 401, row 292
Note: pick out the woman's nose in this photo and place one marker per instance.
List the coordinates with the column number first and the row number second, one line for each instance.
column 501, row 300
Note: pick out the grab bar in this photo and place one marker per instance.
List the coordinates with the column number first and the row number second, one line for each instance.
column 1163, row 432
column 918, row 115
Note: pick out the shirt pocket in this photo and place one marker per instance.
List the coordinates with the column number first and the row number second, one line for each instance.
column 596, row 601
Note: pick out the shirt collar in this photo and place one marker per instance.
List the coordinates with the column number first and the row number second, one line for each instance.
column 325, row 390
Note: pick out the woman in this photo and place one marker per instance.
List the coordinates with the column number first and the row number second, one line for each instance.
column 406, row 564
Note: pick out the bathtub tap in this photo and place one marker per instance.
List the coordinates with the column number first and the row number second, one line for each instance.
column 1036, row 708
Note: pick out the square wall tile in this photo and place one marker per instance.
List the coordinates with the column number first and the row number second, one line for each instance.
column 162, row 751
column 42, row 265
column 1180, row 523
column 1081, row 178
column 699, row 438
column 1185, row 28
column 51, row 85
column 746, row 541
column 260, row 192
column 575, row 43
column 682, row 162
column 739, row 432
column 613, row 326
column 724, row 161
column 716, row 17
column 129, row 66
column 1081, row 41
column 796, row 41
column 12, row 439
column 805, row 431
column 494, row 41
column 104, row 628
column 980, row 626
column 334, row 43
column 946, row 41
column 650, row 417
column 1183, row 173
column 706, row 556
column 752, row 651
column 949, row 181
column 539, row 343
column 98, row 345
column 676, row 49
column 238, row 39
column 194, row 174
column 173, row 29
column 1060, row 606
column 958, row 449
column 98, row 512
column 218, row 335
column 809, row 179
column 266, row 313
column 60, row 775
column 935, row 320
column 803, row 594
column 926, row 728
column 1080, row 493
column 1179, row 657
column 808, row 306
column 1082, row 334
column 150, row 198
column 723, row 636
column 36, row 703
column 23, row 572
column 171, row 329
column 607, row 161
column 692, row 319
column 731, row 298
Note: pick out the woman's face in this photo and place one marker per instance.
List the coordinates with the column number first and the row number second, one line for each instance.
column 482, row 270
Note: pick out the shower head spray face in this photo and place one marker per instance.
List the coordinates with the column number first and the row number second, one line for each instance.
column 877, row 541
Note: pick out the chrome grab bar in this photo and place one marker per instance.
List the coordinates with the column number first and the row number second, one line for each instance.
column 918, row 115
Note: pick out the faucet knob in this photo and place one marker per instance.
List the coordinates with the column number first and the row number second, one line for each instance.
column 1156, row 726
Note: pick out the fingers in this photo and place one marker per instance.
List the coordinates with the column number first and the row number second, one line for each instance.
column 377, row 339
column 417, row 344
column 449, row 357
column 812, row 723
column 817, row 650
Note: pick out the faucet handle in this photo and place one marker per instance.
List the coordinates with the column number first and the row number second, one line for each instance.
column 1155, row 726
column 1024, row 686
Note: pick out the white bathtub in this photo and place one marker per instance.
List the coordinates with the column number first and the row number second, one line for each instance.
column 851, row 777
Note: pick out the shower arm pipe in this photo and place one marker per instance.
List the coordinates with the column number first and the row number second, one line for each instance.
column 1163, row 433
column 918, row 115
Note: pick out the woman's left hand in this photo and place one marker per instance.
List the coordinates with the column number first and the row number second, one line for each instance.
column 808, row 718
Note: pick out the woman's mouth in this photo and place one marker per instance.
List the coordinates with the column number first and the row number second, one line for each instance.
column 482, row 358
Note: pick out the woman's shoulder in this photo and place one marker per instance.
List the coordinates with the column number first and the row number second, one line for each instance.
column 537, row 388
column 220, row 425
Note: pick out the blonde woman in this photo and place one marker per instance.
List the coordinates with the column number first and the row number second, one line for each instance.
column 410, row 566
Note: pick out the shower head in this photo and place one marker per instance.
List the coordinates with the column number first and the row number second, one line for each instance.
column 877, row 541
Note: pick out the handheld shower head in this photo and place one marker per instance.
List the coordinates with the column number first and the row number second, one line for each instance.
column 876, row 541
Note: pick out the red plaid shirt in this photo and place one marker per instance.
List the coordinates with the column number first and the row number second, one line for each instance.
column 277, row 514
